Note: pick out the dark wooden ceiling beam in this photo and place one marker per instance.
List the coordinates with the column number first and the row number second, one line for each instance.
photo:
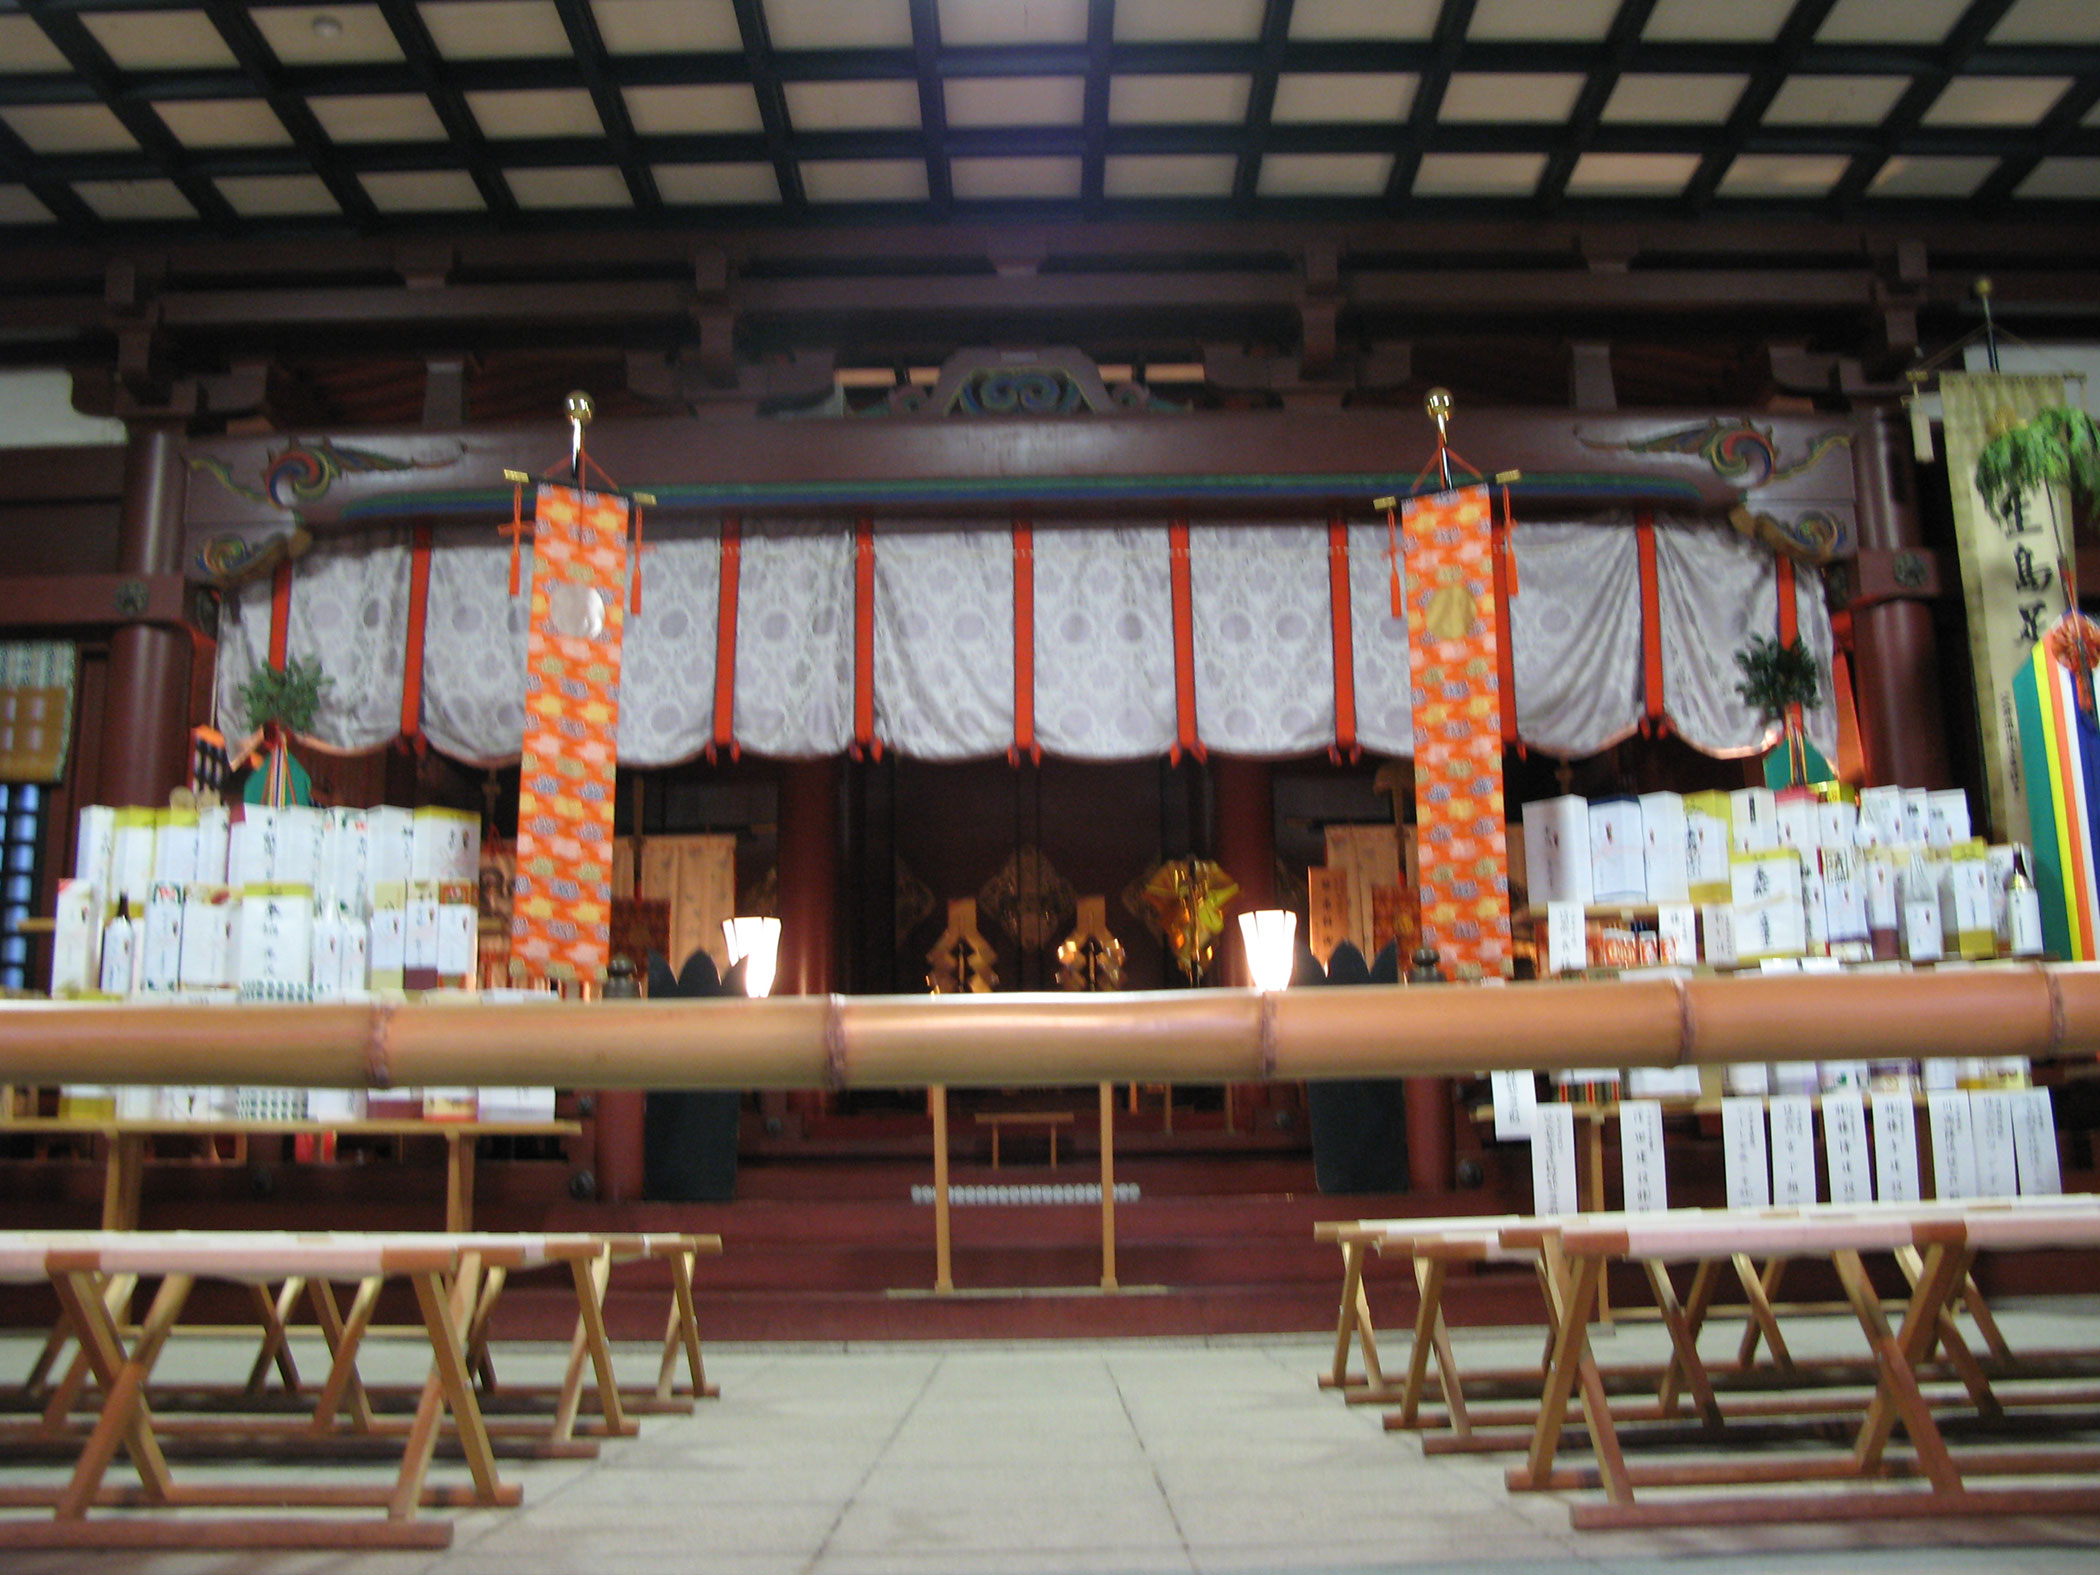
column 933, row 104
column 309, row 142
column 772, row 103
column 1261, row 98
column 90, row 62
column 581, row 25
column 1963, row 40
column 1597, row 89
column 1434, row 77
column 1796, row 37
column 434, row 81
column 1093, row 158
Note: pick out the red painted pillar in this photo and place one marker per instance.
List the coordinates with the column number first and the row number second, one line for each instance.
column 1896, row 667
column 619, row 1129
column 809, row 888
column 145, row 713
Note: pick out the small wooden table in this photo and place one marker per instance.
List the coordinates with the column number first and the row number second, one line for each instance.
column 125, row 1166
column 1000, row 1120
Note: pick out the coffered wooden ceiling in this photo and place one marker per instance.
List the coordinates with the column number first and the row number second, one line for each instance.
column 126, row 118
column 337, row 213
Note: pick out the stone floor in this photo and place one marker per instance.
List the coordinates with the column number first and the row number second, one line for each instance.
column 1138, row 1457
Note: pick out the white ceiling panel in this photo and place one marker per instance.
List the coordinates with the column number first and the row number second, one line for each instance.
column 1169, row 174
column 1015, row 101
column 326, row 35
column 277, row 196
column 839, row 24
column 853, row 106
column 1324, row 174
column 1374, row 97
column 667, row 27
column 1661, row 98
column 588, row 186
column 25, row 49
column 1783, row 174
column 702, row 185
column 1177, row 100
column 864, row 180
column 535, row 112
column 2049, row 22
column 1632, row 174
column 965, row 22
column 1890, row 21
column 703, row 107
column 2063, row 178
column 422, row 191
column 1347, row 19
column 1531, row 97
column 1705, row 21
column 120, row 201
column 18, row 205
column 159, row 40
column 982, row 180
column 68, row 128
column 224, row 123
column 1161, row 21
column 1479, row 174
column 1996, row 101
column 495, row 29
column 1930, row 175
column 1561, row 20
column 378, row 117
column 1834, row 101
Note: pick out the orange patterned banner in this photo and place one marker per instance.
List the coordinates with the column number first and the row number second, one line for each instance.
column 561, row 915
column 1454, row 640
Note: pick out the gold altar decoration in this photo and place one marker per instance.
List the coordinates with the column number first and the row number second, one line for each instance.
column 961, row 960
column 1184, row 902
column 1090, row 958
column 1027, row 899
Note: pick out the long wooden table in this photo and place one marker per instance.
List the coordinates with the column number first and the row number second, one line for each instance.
column 126, row 1140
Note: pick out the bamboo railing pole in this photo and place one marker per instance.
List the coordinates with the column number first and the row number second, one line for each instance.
column 1183, row 1036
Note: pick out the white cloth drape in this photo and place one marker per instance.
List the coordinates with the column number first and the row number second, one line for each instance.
column 943, row 669
column 1717, row 589
column 1575, row 636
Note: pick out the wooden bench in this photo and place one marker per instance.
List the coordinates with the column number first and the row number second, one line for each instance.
column 445, row 1275
column 554, row 1411
column 1049, row 1120
column 1681, row 1390
column 1866, row 1480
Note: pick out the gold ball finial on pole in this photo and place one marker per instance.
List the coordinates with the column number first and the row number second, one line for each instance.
column 580, row 409
column 1438, row 403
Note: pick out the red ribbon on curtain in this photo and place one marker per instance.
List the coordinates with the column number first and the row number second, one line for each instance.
column 1024, row 645
column 634, row 574
column 1851, row 760
column 1392, row 558
column 1654, row 723
column 865, row 743
column 1184, row 644
column 418, row 618
column 280, row 613
column 1345, row 745
column 515, row 530
column 725, row 639
column 1505, row 652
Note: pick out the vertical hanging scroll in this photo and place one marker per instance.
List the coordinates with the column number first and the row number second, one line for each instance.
column 562, row 913
column 1454, row 640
